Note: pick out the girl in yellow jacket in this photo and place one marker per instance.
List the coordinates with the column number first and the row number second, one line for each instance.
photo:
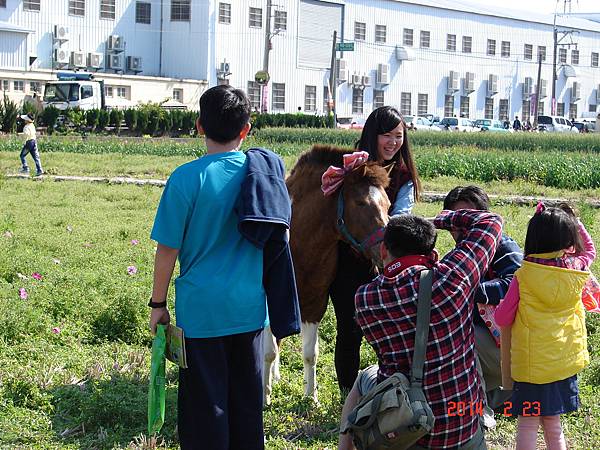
column 543, row 325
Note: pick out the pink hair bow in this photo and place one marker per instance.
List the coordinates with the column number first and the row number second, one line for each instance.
column 333, row 177
column 540, row 208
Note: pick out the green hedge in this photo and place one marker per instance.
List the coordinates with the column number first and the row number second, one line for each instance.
column 506, row 141
column 298, row 120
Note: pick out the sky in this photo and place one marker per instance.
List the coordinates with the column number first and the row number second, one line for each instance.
column 548, row 6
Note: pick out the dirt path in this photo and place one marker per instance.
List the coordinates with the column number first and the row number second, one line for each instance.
column 428, row 196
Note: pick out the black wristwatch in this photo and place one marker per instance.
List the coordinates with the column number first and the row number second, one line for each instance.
column 153, row 304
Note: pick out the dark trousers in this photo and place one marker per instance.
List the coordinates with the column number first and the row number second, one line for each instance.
column 220, row 393
column 353, row 271
column 31, row 147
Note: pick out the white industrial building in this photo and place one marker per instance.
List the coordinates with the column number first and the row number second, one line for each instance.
column 445, row 57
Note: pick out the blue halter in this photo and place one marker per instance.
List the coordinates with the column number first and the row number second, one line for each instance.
column 372, row 239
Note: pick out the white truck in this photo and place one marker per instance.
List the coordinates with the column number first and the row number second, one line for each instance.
column 75, row 90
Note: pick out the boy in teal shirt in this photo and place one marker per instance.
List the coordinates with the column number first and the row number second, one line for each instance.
column 219, row 298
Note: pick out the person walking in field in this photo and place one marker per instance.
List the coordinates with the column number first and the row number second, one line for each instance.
column 543, row 325
column 220, row 300
column 30, row 146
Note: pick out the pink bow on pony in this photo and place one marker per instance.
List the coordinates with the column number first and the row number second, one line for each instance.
column 333, row 177
column 540, row 208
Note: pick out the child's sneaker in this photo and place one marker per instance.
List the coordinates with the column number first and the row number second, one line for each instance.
column 39, row 173
column 26, row 171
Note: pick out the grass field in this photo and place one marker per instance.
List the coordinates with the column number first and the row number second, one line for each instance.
column 74, row 356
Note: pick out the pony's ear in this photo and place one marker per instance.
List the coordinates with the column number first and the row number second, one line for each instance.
column 389, row 168
column 361, row 170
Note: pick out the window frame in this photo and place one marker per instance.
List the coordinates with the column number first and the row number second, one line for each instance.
column 224, row 16
column 488, row 110
column 278, row 97
column 451, row 42
column 19, row 83
column 253, row 91
column 310, row 98
column 360, row 31
column 562, row 55
column 380, row 34
column 528, row 52
column 575, row 57
column 542, row 49
column 408, row 37
column 378, row 98
column 465, row 112
column 422, row 101
column 505, row 49
column 108, row 9
column 595, row 58
column 177, row 94
column 467, row 44
column 121, row 90
column 280, row 20
column 503, row 106
column 255, row 17
column 425, row 37
column 28, row 5
column 181, row 11
column 139, row 17
column 358, row 100
column 76, row 8
column 405, row 103
column 491, row 47
column 448, row 105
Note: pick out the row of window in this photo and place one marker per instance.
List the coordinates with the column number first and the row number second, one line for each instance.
column 19, row 86
column 180, row 9
column 360, row 34
column 255, row 17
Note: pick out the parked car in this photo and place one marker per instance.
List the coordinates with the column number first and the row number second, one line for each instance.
column 457, row 124
column 351, row 123
column 420, row 123
column 490, row 125
column 586, row 122
column 556, row 124
column 432, row 118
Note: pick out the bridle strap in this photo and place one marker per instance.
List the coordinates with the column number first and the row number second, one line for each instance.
column 372, row 239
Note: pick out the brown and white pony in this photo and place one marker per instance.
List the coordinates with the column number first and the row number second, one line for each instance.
column 353, row 214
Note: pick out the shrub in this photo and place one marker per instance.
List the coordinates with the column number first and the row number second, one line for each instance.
column 188, row 121
column 10, row 112
column 49, row 117
column 30, row 108
column 131, row 116
column 103, row 119
column 142, row 121
column 91, row 117
column 116, row 117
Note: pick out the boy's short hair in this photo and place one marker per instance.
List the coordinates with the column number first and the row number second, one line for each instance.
column 406, row 234
column 224, row 111
column 472, row 194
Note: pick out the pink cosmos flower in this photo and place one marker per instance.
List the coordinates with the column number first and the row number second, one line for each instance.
column 134, row 242
column 36, row 276
column 56, row 330
column 23, row 293
column 131, row 270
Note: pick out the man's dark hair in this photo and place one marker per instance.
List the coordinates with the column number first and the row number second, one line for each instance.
column 406, row 234
column 472, row 194
column 224, row 111
column 551, row 230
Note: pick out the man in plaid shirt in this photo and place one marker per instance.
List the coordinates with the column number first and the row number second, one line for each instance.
column 386, row 310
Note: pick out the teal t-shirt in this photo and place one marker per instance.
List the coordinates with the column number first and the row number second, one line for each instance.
column 219, row 290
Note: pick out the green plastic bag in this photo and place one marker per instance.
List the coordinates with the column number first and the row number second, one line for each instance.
column 156, row 389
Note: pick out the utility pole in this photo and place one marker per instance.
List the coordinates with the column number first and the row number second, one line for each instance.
column 264, row 89
column 333, row 80
column 555, row 33
column 537, row 91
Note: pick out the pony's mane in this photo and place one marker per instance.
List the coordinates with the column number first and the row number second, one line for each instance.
column 319, row 157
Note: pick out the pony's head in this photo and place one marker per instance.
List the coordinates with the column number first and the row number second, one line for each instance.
column 366, row 207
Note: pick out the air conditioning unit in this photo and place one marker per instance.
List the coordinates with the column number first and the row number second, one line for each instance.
column 404, row 54
column 61, row 56
column 366, row 80
column 61, row 33
column 115, row 62
column 78, row 59
column 224, row 68
column 527, row 87
column 134, row 63
column 94, row 60
column 469, row 82
column 576, row 91
column 356, row 80
column 116, row 43
column 543, row 88
column 342, row 70
column 383, row 74
column 452, row 81
column 492, row 86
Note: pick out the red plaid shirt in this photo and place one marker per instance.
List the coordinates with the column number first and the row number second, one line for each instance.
column 386, row 310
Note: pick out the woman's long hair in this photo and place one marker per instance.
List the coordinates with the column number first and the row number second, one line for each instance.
column 380, row 121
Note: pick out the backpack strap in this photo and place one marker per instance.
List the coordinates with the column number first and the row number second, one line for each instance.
column 422, row 332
